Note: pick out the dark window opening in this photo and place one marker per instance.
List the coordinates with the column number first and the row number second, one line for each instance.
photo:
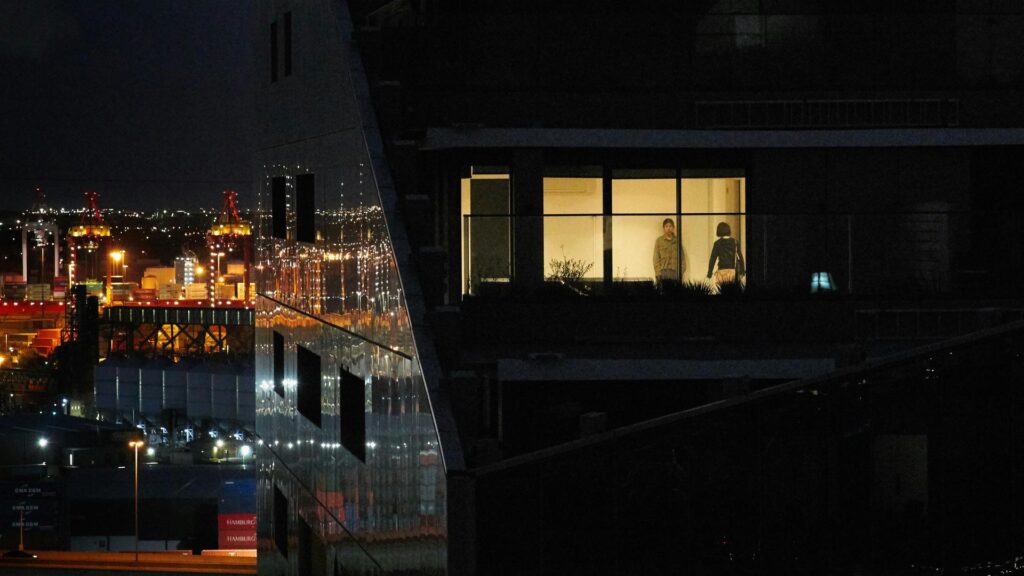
column 279, row 207
column 279, row 364
column 312, row 552
column 308, row 370
column 352, row 414
column 287, row 43
column 273, row 51
column 305, row 208
column 281, row 521
column 305, row 547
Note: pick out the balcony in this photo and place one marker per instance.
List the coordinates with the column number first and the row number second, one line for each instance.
column 895, row 255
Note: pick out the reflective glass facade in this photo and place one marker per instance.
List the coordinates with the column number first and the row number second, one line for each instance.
column 328, row 285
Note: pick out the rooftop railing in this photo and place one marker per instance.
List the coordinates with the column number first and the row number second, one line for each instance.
column 891, row 254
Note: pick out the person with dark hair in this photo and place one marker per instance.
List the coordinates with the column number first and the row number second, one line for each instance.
column 666, row 254
column 727, row 252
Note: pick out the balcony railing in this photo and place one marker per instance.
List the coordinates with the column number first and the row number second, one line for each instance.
column 896, row 254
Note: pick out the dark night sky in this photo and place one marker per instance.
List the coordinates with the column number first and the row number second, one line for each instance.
column 150, row 103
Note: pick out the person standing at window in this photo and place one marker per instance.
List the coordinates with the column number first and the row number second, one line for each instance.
column 666, row 254
column 727, row 252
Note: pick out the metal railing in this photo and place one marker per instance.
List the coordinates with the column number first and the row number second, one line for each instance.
column 888, row 254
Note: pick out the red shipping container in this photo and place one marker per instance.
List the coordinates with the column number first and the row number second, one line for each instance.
column 236, row 540
column 236, row 531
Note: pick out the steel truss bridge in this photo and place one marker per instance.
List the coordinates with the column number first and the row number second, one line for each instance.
column 173, row 330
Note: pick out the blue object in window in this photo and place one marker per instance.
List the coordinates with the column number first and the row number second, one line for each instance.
column 821, row 282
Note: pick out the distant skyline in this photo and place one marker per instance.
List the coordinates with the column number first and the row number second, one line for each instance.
column 148, row 103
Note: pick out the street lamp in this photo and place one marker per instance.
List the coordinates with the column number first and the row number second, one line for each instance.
column 245, row 451
column 115, row 258
column 136, row 444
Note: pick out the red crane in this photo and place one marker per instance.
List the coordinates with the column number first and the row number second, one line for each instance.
column 228, row 235
column 85, row 242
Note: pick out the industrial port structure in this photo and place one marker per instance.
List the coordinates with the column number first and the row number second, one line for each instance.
column 84, row 300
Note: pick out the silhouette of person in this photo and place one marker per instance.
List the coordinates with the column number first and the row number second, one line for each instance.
column 666, row 254
column 727, row 252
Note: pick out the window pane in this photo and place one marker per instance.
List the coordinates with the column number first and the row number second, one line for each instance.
column 279, row 207
column 645, row 203
column 572, row 241
column 352, row 413
column 278, row 363
column 281, row 521
column 486, row 249
column 307, row 368
column 709, row 203
column 305, row 208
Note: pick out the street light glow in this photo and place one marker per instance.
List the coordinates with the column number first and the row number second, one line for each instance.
column 43, row 442
column 136, row 444
column 220, row 443
column 245, row 451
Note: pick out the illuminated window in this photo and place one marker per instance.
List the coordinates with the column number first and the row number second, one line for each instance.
column 706, row 204
column 307, row 366
column 281, row 521
column 642, row 200
column 305, row 208
column 278, row 364
column 279, row 207
column 352, row 413
column 486, row 228
column 573, row 224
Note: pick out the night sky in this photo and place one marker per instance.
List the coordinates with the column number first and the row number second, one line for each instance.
column 149, row 103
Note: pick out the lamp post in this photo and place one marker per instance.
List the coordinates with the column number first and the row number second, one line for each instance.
column 115, row 260
column 136, row 444
column 43, row 443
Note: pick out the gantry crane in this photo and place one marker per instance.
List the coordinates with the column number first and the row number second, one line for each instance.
column 229, row 234
column 41, row 226
column 86, row 242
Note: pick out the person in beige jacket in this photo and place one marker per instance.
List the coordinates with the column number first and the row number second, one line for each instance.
column 666, row 254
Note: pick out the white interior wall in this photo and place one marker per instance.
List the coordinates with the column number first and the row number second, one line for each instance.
column 698, row 232
column 575, row 237
column 633, row 237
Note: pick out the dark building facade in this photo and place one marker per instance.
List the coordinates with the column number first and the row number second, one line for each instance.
column 552, row 288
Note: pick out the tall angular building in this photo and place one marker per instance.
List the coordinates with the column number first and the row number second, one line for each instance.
column 723, row 287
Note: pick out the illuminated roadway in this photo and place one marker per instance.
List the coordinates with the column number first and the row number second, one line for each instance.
column 123, row 563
